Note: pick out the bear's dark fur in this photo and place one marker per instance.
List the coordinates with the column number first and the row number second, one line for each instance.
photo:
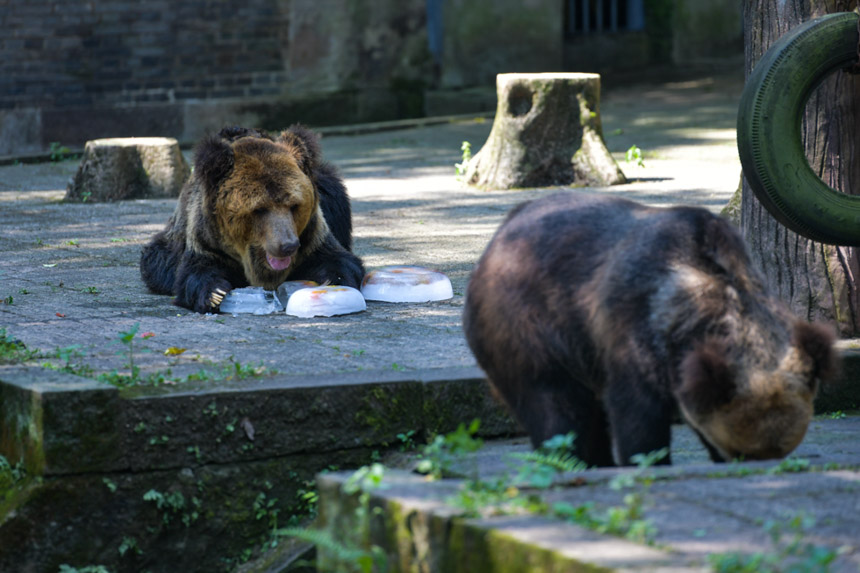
column 257, row 210
column 604, row 317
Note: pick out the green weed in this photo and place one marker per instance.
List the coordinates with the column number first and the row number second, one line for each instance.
column 10, row 475
column 627, row 520
column 466, row 149
column 540, row 466
column 444, row 451
column 58, row 152
column 790, row 465
column 12, row 350
column 129, row 544
column 173, row 504
column 789, row 552
column 634, row 154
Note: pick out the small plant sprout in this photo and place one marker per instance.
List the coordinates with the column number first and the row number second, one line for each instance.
column 58, row 151
column 634, row 154
column 407, row 440
column 461, row 167
column 444, row 451
column 126, row 338
column 552, row 458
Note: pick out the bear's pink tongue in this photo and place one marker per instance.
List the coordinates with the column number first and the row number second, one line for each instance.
column 278, row 263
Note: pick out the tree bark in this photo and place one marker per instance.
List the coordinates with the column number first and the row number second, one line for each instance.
column 819, row 282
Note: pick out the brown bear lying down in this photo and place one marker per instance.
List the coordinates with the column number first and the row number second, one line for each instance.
column 604, row 317
column 256, row 211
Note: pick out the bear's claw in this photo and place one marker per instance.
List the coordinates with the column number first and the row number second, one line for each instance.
column 217, row 297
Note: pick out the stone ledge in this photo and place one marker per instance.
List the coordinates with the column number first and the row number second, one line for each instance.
column 64, row 424
column 418, row 531
column 696, row 510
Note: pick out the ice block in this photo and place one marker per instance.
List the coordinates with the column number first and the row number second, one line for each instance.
column 287, row 288
column 325, row 301
column 406, row 284
column 251, row 300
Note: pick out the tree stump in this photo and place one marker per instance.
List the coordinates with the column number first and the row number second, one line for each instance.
column 546, row 132
column 129, row 168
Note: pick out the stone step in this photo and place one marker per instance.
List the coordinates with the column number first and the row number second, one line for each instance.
column 695, row 511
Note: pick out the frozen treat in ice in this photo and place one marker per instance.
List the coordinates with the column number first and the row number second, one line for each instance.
column 325, row 301
column 251, row 300
column 287, row 288
column 406, row 284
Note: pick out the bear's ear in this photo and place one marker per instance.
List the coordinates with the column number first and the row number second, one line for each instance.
column 707, row 381
column 213, row 161
column 815, row 341
column 304, row 145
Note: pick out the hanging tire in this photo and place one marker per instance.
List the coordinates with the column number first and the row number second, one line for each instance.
column 769, row 142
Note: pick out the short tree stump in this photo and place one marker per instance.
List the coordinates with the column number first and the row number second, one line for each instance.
column 129, row 168
column 546, row 132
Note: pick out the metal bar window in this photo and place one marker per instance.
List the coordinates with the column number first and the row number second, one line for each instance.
column 602, row 16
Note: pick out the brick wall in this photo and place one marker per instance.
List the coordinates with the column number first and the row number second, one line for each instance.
column 72, row 70
column 67, row 54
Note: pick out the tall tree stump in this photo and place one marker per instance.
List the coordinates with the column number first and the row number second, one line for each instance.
column 546, row 132
column 129, row 168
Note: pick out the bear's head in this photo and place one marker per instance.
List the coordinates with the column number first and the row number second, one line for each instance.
column 749, row 411
column 260, row 195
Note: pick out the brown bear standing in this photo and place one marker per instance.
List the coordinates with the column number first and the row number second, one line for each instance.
column 257, row 211
column 602, row 317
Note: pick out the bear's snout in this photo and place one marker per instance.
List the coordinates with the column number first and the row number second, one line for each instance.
column 281, row 239
column 287, row 248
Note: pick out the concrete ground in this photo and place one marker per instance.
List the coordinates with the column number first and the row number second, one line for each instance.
column 69, row 277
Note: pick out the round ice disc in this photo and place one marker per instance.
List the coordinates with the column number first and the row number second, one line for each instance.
column 325, row 301
column 406, row 284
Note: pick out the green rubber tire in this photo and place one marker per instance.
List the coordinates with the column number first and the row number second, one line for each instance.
column 769, row 141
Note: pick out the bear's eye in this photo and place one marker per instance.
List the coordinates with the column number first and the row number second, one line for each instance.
column 260, row 211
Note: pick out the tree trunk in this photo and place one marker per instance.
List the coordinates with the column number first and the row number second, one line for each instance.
column 819, row 282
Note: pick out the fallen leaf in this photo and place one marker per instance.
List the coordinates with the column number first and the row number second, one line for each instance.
column 61, row 315
column 248, row 427
column 146, row 335
column 174, row 351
